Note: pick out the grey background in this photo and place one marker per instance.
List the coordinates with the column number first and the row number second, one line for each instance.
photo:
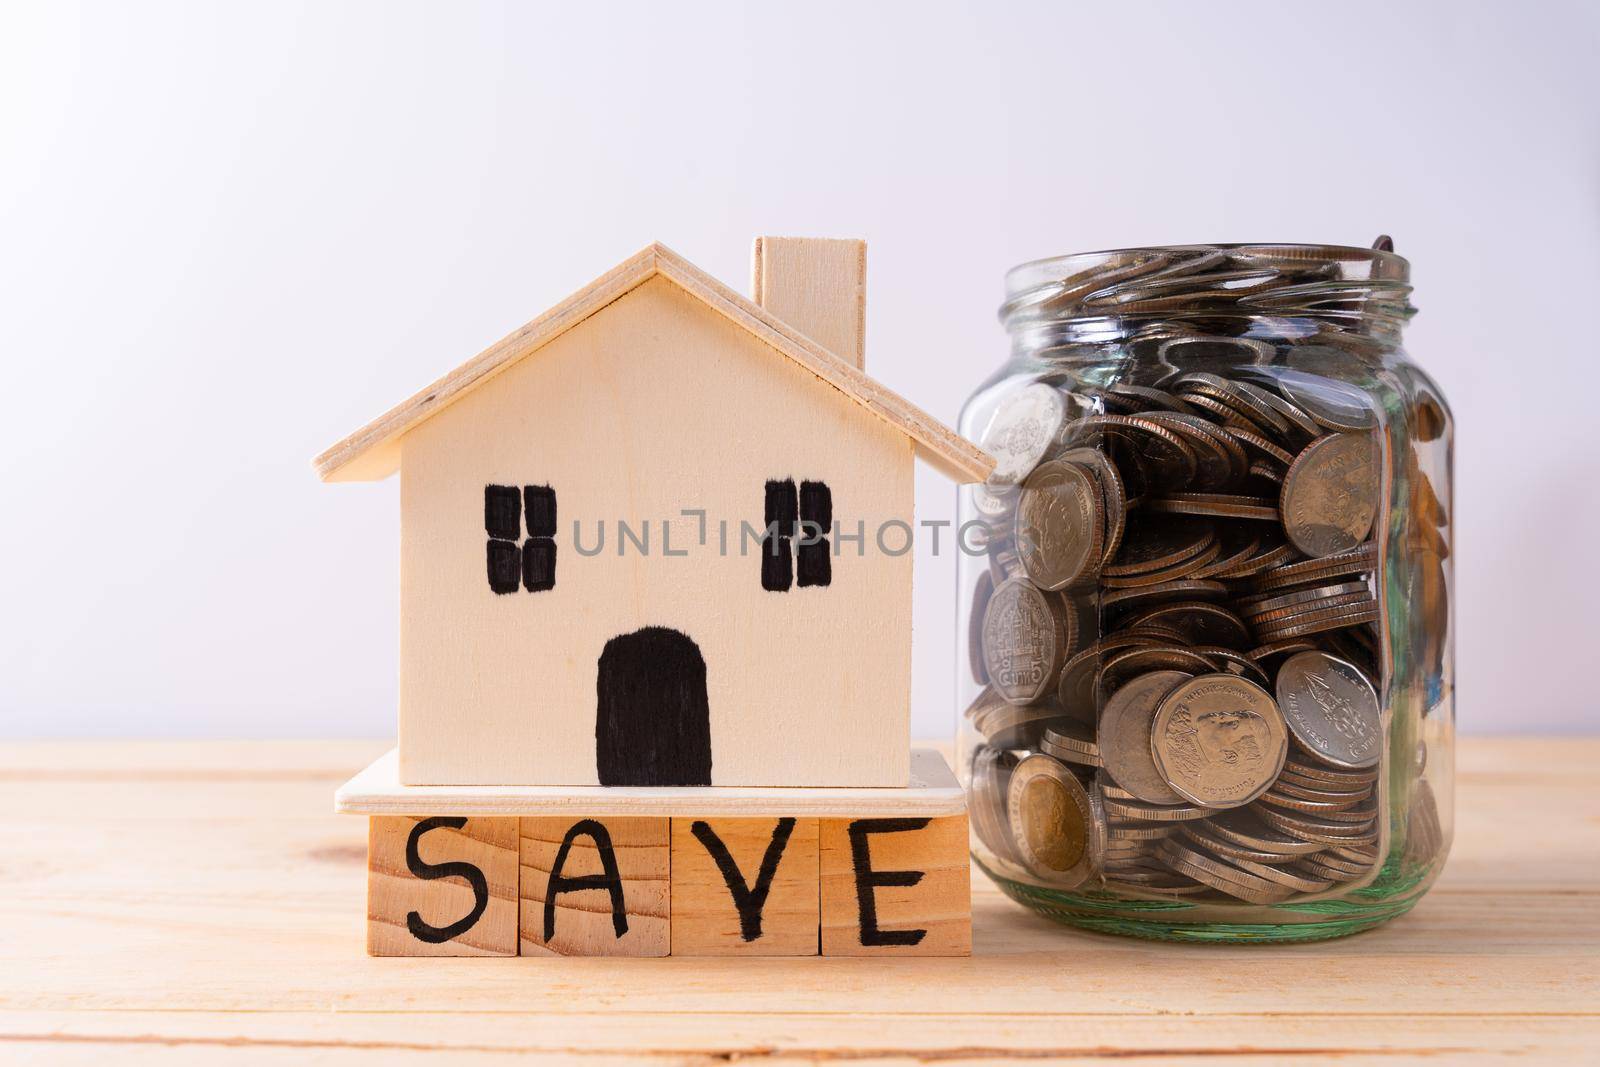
column 230, row 234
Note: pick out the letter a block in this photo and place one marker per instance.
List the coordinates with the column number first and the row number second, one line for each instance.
column 441, row 886
column 744, row 887
column 896, row 887
column 595, row 887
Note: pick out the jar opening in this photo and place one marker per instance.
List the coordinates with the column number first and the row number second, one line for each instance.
column 1364, row 290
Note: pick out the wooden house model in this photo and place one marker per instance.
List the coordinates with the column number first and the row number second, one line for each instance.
column 656, row 570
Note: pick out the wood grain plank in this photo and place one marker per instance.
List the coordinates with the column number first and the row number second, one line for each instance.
column 932, row 790
column 634, row 1037
column 373, row 451
column 184, row 900
column 817, row 285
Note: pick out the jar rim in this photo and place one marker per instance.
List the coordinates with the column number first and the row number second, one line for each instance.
column 1382, row 265
column 1364, row 288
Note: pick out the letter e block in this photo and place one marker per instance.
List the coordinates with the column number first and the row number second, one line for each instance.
column 595, row 887
column 441, row 886
column 896, row 887
column 744, row 887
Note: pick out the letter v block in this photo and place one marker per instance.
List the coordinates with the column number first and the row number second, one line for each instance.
column 595, row 887
column 744, row 887
column 441, row 886
column 896, row 887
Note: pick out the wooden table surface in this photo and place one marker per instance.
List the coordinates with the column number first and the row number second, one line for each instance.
column 200, row 901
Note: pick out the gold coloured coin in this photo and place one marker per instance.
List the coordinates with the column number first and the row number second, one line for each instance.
column 1051, row 822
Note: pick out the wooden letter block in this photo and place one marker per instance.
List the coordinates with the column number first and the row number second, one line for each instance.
column 744, row 887
column 441, row 886
column 595, row 887
column 896, row 887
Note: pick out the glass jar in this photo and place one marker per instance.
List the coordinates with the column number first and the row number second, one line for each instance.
column 1206, row 659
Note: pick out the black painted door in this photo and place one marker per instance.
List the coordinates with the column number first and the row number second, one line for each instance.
column 652, row 723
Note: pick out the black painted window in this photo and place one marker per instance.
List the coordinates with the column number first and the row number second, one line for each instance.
column 777, row 545
column 532, row 566
column 814, row 559
column 795, row 548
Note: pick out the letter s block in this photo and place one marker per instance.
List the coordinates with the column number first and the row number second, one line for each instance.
column 441, row 886
column 595, row 887
column 896, row 887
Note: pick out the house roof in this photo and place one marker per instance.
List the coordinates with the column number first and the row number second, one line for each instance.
column 373, row 452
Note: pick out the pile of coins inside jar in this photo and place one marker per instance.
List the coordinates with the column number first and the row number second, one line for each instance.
column 1176, row 633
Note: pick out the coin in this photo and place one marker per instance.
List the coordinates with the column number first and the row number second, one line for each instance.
column 1234, row 662
column 1288, row 786
column 1006, row 725
column 1331, row 709
column 1355, row 561
column 1238, row 404
column 1260, row 603
column 1219, row 460
column 1330, row 495
column 1189, row 568
column 1119, row 668
column 1221, row 505
column 1219, row 740
column 1060, row 528
column 1204, row 351
column 1125, row 736
column 1242, row 827
column 1348, row 809
column 1138, row 831
column 1425, row 837
column 1072, row 742
column 1332, row 404
column 1145, row 594
column 994, row 501
column 1312, row 829
column 1284, row 876
column 1238, row 544
column 1324, row 777
column 1158, row 544
column 1264, row 620
column 1198, row 622
column 1219, row 875
column 1271, row 555
column 1025, row 636
column 1334, row 865
column 1319, row 622
column 1127, row 809
column 1022, row 430
column 1051, row 822
column 1113, row 496
column 1144, row 398
column 1162, row 453
column 990, row 777
column 982, row 591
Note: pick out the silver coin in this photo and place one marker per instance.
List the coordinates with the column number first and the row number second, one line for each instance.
column 1331, row 403
column 1071, row 742
column 1219, row 740
column 1025, row 638
column 1331, row 709
column 1060, row 525
column 1124, row 746
column 1022, row 430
